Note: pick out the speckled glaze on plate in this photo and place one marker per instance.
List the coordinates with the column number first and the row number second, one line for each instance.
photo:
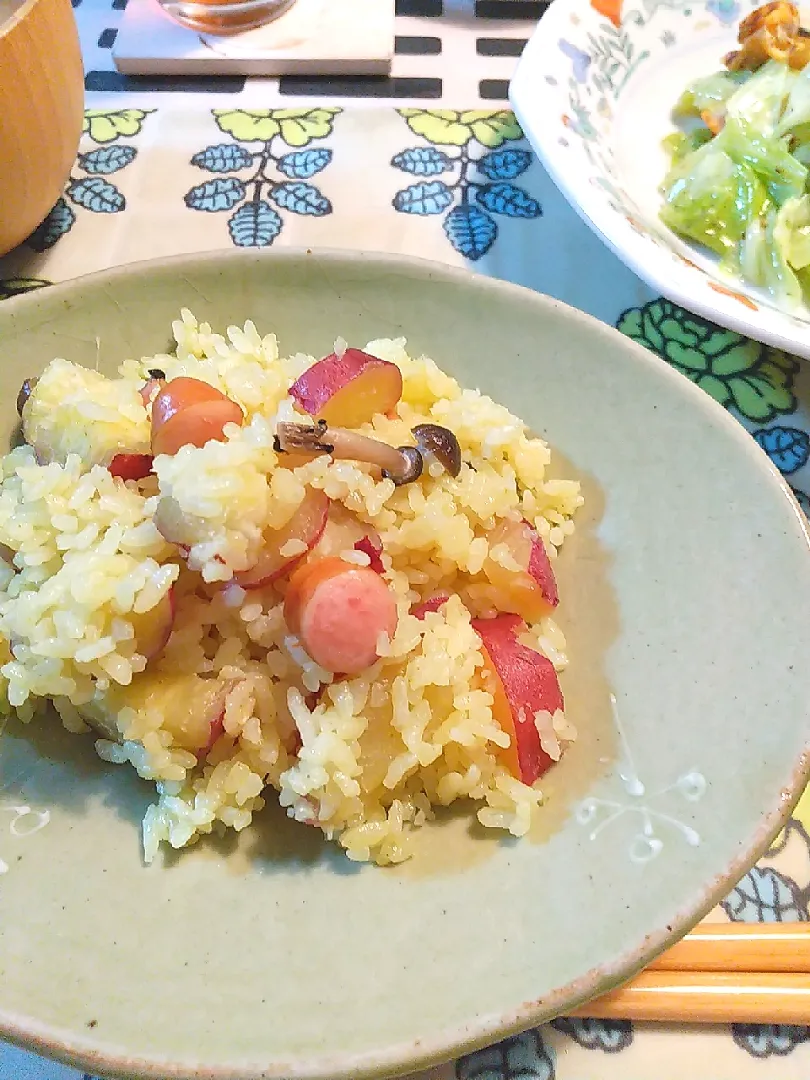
column 594, row 93
column 272, row 956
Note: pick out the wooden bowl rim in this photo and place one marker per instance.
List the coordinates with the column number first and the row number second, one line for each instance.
column 17, row 16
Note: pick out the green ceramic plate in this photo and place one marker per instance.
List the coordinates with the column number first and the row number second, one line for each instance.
column 684, row 597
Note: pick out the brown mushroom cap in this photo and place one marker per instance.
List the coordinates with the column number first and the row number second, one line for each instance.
column 439, row 442
column 25, row 393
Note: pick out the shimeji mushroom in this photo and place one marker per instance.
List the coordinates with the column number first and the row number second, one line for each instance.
column 402, row 464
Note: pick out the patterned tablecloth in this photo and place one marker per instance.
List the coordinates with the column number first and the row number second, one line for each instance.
column 154, row 180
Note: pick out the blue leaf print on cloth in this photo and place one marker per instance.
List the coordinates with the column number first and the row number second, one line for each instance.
column 216, row 195
column 471, row 231
column 766, row 895
column 107, row 159
column 803, row 499
column 430, row 198
column 422, row 161
column 56, row 224
column 787, row 447
column 524, row 1057
column 86, row 189
column 277, row 148
column 97, row 195
column 608, row 1035
column 505, row 164
column 224, row 157
column 473, row 151
column 254, row 225
column 301, row 199
column 508, row 199
column 769, row 1040
column 304, row 163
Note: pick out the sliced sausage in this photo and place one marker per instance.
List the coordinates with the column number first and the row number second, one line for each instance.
column 189, row 412
column 338, row 612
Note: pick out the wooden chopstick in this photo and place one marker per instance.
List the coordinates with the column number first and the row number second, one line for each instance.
column 741, row 947
column 748, row 973
column 706, row 997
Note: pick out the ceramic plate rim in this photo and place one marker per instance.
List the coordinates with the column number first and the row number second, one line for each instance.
column 531, row 99
column 54, row 1041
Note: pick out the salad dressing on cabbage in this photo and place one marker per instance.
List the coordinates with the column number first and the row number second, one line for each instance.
column 739, row 166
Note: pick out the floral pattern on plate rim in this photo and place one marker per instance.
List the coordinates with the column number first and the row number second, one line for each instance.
column 598, row 66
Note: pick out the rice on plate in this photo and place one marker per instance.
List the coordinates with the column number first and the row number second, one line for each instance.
column 331, row 578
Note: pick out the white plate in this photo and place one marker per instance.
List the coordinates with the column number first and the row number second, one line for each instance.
column 594, row 93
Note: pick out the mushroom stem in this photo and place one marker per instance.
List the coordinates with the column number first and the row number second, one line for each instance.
column 401, row 464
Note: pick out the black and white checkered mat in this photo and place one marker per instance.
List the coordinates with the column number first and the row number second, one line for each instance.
column 457, row 53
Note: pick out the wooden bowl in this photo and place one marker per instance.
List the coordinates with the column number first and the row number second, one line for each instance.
column 41, row 112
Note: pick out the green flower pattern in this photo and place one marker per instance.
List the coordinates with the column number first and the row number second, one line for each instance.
column 297, row 127
column 87, row 187
column 106, row 126
column 753, row 379
column 447, row 127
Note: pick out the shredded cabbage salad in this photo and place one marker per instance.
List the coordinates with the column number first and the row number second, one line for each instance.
column 738, row 176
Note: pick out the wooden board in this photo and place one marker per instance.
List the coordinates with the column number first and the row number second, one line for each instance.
column 313, row 37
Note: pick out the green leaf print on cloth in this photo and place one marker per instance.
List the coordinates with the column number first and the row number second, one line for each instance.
column 449, row 127
column 297, row 127
column 754, row 379
column 108, row 125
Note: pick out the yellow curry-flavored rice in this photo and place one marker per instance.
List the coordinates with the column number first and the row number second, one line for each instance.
column 122, row 599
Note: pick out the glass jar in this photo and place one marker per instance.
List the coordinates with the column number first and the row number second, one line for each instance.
column 224, row 16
